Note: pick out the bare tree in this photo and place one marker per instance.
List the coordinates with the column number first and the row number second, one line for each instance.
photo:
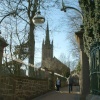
column 23, row 11
column 19, row 13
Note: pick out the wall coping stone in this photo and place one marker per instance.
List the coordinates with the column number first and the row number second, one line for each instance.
column 22, row 77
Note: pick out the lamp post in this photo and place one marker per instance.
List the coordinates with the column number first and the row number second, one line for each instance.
column 64, row 8
column 13, row 13
column 83, row 57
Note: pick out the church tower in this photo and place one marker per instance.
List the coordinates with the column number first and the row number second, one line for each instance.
column 49, row 62
column 47, row 47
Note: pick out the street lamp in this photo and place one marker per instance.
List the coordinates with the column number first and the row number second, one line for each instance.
column 69, row 7
column 38, row 19
column 13, row 13
column 84, row 59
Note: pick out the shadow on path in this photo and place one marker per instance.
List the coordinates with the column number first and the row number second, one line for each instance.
column 63, row 94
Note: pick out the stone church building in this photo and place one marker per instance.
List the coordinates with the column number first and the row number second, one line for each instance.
column 48, row 61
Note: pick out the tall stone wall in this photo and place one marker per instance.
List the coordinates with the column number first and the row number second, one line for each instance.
column 21, row 88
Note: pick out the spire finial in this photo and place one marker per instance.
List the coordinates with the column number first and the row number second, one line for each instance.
column 47, row 26
column 47, row 34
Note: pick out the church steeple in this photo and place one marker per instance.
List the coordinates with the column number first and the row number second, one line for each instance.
column 47, row 41
column 47, row 47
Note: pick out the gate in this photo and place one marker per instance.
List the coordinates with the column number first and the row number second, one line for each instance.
column 95, row 68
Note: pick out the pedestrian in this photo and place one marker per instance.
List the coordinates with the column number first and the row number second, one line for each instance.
column 70, row 83
column 58, row 84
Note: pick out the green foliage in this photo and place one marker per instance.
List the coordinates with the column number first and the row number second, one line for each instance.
column 78, row 67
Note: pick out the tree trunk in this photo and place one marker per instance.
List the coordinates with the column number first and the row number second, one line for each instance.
column 31, row 50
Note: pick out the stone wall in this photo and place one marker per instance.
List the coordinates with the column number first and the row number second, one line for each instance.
column 21, row 88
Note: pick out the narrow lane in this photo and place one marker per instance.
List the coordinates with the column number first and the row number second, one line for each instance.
column 63, row 94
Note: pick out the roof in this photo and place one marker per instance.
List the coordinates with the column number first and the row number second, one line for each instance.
column 55, row 59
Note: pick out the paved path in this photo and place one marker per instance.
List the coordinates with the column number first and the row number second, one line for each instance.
column 61, row 95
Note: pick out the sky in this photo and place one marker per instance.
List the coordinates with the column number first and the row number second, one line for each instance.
column 59, row 30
